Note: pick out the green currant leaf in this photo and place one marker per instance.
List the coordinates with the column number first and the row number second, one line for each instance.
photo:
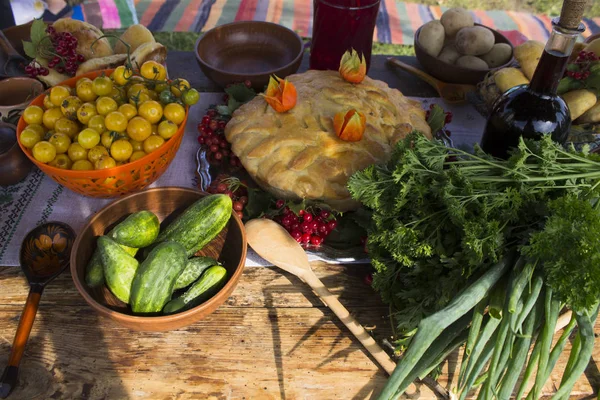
column 436, row 118
column 38, row 31
column 223, row 110
column 240, row 92
column 29, row 49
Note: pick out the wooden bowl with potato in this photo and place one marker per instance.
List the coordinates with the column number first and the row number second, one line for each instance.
column 455, row 49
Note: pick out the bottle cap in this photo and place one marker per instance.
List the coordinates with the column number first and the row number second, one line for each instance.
column 571, row 13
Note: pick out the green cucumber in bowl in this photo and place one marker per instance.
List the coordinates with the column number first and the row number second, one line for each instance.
column 193, row 269
column 211, row 281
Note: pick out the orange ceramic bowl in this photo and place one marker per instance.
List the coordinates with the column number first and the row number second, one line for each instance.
column 110, row 182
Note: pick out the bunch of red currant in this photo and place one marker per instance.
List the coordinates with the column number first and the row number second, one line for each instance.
column 580, row 69
column 211, row 135
column 447, row 118
column 61, row 53
column 234, row 188
column 308, row 226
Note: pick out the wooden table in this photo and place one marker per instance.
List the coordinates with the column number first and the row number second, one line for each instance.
column 272, row 339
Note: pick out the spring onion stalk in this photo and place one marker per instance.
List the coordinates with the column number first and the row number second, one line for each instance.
column 551, row 310
column 531, row 364
column 521, row 280
column 473, row 333
column 431, row 327
column 500, row 343
column 536, row 287
column 519, row 356
column 487, row 332
column 486, row 354
column 453, row 346
column 559, row 346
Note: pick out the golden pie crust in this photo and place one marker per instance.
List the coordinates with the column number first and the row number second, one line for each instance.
column 297, row 155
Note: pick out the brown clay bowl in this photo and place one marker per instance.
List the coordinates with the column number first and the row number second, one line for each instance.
column 229, row 247
column 14, row 165
column 249, row 50
column 451, row 73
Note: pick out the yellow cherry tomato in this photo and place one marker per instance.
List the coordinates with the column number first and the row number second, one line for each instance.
column 82, row 165
column 175, row 113
column 86, row 112
column 96, row 153
column 153, row 95
column 88, row 138
column 122, row 74
column 153, row 70
column 82, row 80
column 154, row 129
column 44, row 152
column 66, row 126
column 153, row 143
column 58, row 94
column 166, row 129
column 85, row 90
column 136, row 155
column 115, row 121
column 107, row 138
column 70, row 105
column 179, row 85
column 29, row 138
column 77, row 152
column 51, row 116
column 38, row 128
column 139, row 129
column 161, row 87
column 135, row 89
column 139, row 99
column 33, row 115
column 105, row 105
column 48, row 103
column 151, row 110
column 61, row 161
column 102, row 86
column 128, row 110
column 121, row 150
column 61, row 142
column 136, row 145
column 105, row 162
column 118, row 94
column 97, row 123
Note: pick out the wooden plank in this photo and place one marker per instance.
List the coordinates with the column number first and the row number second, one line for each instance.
column 184, row 62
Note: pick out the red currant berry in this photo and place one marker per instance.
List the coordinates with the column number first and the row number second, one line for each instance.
column 247, row 83
column 243, row 200
column 331, row 225
column 324, row 214
column 214, row 148
column 201, row 139
column 301, row 212
column 294, row 218
column 280, row 203
column 211, row 113
column 44, row 72
column 80, row 58
column 295, row 226
column 239, row 214
column 222, row 124
column 296, row 234
column 205, row 120
column 285, row 221
column 60, row 70
column 222, row 188
column 218, row 155
column 306, row 237
column 306, row 227
column 238, row 206
column 368, row 279
column 316, row 240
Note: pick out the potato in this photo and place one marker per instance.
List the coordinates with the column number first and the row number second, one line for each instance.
column 472, row 62
column 528, row 55
column 579, row 101
column 591, row 116
column 499, row 55
column 149, row 51
column 507, row 78
column 431, row 37
column 455, row 19
column 474, row 41
column 134, row 36
column 86, row 34
column 101, row 63
column 449, row 54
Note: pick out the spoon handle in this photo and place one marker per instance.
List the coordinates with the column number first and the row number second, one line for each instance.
column 415, row 71
column 9, row 377
column 357, row 329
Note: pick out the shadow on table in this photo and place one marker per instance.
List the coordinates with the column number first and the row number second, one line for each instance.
column 68, row 355
column 351, row 300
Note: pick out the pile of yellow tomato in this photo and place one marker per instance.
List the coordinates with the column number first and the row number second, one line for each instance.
column 107, row 121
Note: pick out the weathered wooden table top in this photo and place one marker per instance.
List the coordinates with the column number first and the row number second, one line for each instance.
column 272, row 339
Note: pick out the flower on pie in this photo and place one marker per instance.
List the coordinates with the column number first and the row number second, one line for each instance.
column 352, row 67
column 280, row 94
column 350, row 125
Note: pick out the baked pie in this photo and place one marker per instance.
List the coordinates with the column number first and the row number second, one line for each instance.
column 297, row 155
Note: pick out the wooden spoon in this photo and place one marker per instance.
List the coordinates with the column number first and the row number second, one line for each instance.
column 273, row 243
column 44, row 255
column 452, row 93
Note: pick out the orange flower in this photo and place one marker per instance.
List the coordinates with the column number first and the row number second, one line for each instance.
column 350, row 126
column 280, row 94
column 352, row 68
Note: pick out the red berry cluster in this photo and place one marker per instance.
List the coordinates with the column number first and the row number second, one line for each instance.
column 65, row 58
column 447, row 118
column 308, row 228
column 211, row 135
column 35, row 70
column 232, row 187
column 582, row 63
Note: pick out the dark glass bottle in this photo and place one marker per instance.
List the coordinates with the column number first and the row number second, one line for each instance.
column 533, row 110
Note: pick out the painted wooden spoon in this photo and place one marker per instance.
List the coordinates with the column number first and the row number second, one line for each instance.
column 273, row 243
column 452, row 93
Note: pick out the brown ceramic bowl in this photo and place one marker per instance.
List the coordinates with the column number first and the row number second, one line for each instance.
column 14, row 165
column 249, row 50
column 229, row 247
column 16, row 93
column 451, row 73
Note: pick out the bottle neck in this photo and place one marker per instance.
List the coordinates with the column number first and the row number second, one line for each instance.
column 553, row 62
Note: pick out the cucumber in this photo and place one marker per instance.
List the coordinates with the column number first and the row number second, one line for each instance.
column 94, row 274
column 207, row 286
column 154, row 281
column 132, row 251
column 193, row 269
column 200, row 223
column 118, row 266
column 140, row 229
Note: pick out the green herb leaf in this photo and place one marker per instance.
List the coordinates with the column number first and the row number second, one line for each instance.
column 29, row 49
column 223, row 110
column 233, row 105
column 38, row 31
column 240, row 92
column 567, row 84
column 258, row 203
column 436, row 119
